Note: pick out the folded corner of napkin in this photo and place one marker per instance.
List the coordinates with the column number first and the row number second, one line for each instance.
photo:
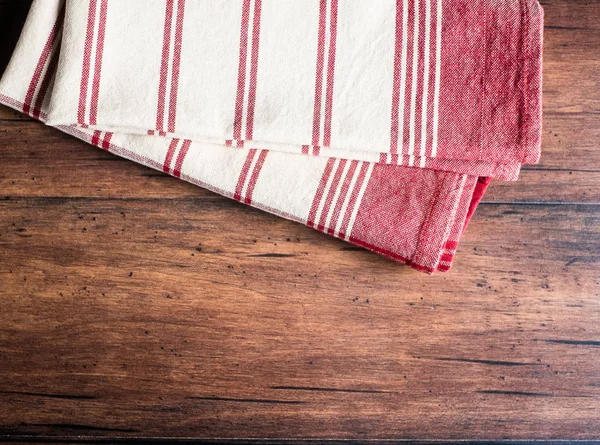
column 512, row 80
column 464, row 87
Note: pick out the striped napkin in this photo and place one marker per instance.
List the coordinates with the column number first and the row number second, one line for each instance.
column 377, row 122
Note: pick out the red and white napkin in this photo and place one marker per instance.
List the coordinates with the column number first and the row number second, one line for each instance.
column 378, row 122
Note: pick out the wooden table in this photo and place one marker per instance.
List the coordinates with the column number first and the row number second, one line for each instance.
column 133, row 305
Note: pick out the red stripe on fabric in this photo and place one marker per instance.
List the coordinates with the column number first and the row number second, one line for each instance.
column 480, row 189
column 46, row 51
column 98, row 63
column 319, row 73
column 330, row 73
column 244, row 174
column 340, row 201
column 41, row 96
column 150, row 132
column 239, row 101
column 353, row 199
column 432, row 67
column 96, row 138
column 253, row 70
column 87, row 56
column 181, row 157
column 305, row 149
column 18, row 105
column 397, row 80
column 447, row 257
column 420, row 101
column 451, row 245
column 330, row 195
column 312, row 214
column 106, row 141
column 254, row 177
column 164, row 68
column 169, row 156
column 176, row 65
column 405, row 137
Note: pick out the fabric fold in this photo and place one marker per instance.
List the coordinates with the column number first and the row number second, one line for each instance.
column 371, row 122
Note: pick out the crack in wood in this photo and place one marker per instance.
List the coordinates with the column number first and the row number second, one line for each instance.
column 575, row 342
column 53, row 396
column 272, row 255
column 75, row 426
column 231, row 399
column 485, row 362
column 310, row 388
column 514, row 393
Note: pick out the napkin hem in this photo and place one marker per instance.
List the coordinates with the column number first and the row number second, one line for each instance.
column 128, row 154
column 507, row 171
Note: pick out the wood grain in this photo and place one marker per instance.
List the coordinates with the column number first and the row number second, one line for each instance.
column 134, row 306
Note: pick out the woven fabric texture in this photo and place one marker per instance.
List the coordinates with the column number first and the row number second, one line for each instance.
column 379, row 123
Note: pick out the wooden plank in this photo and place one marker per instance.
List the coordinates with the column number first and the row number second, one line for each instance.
column 137, row 306
column 571, row 83
column 28, row 148
column 134, row 317
column 571, row 80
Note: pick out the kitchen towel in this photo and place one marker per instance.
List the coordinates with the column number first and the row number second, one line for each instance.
column 373, row 121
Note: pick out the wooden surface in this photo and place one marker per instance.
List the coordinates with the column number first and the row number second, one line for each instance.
column 133, row 305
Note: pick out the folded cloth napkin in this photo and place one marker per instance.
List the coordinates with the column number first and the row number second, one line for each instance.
column 378, row 122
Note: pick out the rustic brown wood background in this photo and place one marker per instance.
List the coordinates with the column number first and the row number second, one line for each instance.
column 133, row 305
